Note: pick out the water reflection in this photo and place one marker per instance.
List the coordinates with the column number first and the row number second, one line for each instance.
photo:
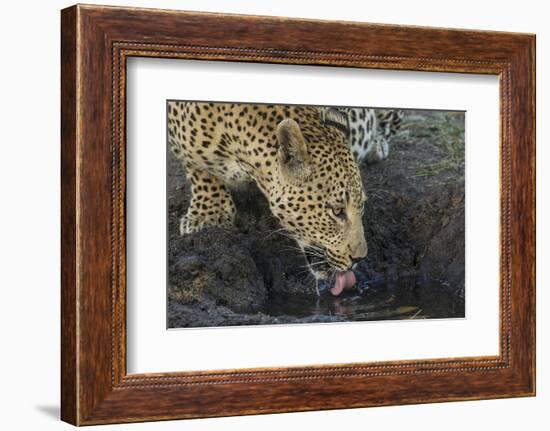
column 403, row 299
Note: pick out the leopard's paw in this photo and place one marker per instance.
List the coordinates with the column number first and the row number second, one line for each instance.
column 190, row 224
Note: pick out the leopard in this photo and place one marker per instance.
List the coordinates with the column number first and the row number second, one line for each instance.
column 370, row 131
column 303, row 165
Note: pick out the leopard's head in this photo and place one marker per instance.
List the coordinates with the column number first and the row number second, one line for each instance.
column 319, row 196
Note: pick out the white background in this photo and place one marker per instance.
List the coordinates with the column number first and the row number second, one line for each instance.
column 151, row 348
column 29, row 228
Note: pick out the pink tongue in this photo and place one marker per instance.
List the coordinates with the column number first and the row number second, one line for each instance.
column 342, row 281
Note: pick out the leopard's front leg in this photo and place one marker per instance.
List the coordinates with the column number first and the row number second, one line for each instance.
column 211, row 203
column 377, row 150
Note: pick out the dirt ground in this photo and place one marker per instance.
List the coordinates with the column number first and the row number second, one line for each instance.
column 414, row 225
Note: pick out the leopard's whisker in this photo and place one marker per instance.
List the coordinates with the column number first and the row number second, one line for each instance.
column 323, row 262
column 281, row 231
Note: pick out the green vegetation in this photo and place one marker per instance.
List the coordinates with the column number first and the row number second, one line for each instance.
column 445, row 132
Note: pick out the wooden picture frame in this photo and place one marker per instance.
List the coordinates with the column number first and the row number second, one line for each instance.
column 96, row 41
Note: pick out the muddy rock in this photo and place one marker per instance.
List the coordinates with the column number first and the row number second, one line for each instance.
column 444, row 253
column 215, row 263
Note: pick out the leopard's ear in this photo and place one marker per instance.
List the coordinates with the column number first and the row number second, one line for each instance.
column 293, row 154
column 336, row 118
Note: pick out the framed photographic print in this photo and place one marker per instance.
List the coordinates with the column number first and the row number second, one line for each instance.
column 319, row 214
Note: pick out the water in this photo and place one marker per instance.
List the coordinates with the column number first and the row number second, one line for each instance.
column 403, row 299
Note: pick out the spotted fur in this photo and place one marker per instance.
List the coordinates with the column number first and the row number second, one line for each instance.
column 303, row 166
column 370, row 132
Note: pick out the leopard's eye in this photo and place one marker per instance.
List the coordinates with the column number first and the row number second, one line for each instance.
column 338, row 212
